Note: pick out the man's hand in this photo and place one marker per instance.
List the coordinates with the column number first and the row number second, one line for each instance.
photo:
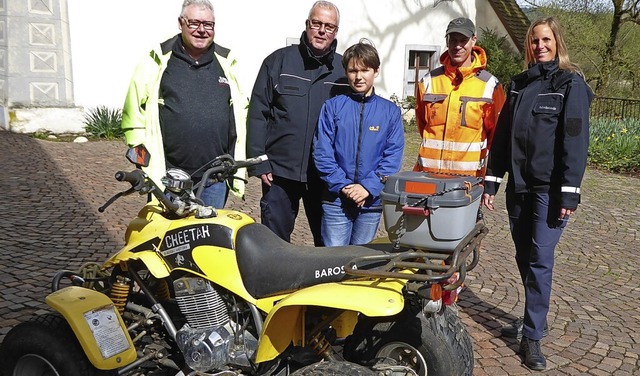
column 266, row 178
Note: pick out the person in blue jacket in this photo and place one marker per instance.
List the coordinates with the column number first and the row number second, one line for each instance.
column 541, row 141
column 358, row 144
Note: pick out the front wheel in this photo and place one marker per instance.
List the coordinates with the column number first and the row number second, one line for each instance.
column 338, row 368
column 45, row 346
column 432, row 344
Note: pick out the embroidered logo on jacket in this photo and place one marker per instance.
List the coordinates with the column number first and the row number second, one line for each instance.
column 223, row 81
column 374, row 128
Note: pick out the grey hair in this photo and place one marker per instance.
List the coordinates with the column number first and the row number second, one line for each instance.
column 201, row 3
column 326, row 5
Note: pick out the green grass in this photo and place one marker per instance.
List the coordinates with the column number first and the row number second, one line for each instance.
column 411, row 145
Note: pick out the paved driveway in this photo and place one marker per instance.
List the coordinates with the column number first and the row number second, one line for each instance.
column 50, row 193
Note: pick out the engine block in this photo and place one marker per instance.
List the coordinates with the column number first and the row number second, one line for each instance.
column 200, row 303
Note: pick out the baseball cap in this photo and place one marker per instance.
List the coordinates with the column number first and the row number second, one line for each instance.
column 463, row 26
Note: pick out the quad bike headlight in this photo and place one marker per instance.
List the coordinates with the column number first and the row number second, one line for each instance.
column 177, row 180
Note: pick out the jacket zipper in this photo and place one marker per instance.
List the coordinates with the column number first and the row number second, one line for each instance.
column 355, row 178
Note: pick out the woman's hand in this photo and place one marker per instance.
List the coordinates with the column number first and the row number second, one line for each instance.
column 564, row 212
column 487, row 200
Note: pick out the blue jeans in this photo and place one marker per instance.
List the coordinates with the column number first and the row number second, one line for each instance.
column 536, row 230
column 350, row 225
column 215, row 195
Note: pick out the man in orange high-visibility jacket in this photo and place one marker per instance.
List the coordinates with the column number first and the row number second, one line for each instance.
column 457, row 107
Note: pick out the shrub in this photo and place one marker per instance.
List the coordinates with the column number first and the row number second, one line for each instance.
column 406, row 105
column 615, row 144
column 104, row 122
column 502, row 61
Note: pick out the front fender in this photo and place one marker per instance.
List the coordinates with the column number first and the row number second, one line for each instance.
column 284, row 322
column 97, row 325
column 154, row 263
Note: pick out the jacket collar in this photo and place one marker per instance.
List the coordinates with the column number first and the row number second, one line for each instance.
column 457, row 74
column 358, row 97
column 478, row 61
column 538, row 70
column 307, row 52
column 180, row 52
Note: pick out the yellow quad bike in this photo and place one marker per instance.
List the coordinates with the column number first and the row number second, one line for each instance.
column 199, row 291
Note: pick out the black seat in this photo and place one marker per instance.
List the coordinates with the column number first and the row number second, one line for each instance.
column 269, row 265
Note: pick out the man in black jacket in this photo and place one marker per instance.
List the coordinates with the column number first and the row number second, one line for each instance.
column 292, row 84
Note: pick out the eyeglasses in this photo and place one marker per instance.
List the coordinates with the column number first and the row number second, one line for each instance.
column 328, row 27
column 195, row 24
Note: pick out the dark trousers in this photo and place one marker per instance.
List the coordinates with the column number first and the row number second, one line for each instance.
column 536, row 230
column 280, row 204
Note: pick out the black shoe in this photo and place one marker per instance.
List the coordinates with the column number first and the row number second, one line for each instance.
column 532, row 353
column 515, row 330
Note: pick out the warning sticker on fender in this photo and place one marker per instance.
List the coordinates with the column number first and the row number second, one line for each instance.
column 107, row 331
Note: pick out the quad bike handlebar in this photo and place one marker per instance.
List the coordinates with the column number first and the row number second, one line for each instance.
column 183, row 201
column 222, row 168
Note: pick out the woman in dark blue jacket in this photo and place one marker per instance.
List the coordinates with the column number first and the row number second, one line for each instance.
column 358, row 143
column 541, row 141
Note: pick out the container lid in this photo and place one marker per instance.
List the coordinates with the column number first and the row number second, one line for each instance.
column 409, row 187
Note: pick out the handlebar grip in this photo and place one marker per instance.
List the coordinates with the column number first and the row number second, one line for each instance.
column 134, row 177
column 251, row 161
column 140, row 183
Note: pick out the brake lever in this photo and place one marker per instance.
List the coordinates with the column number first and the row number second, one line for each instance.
column 114, row 198
column 233, row 177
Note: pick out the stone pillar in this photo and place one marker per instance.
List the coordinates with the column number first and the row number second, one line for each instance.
column 35, row 63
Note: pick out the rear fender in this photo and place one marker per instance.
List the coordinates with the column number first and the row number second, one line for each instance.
column 285, row 325
column 97, row 325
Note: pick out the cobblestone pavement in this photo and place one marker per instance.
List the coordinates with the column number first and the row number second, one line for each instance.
column 49, row 221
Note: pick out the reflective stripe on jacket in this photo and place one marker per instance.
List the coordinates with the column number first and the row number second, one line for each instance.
column 456, row 111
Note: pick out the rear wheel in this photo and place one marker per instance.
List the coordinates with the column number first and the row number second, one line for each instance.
column 328, row 368
column 45, row 346
column 432, row 344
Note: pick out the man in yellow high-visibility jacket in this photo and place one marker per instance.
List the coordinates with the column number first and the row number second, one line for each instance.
column 457, row 107
column 186, row 106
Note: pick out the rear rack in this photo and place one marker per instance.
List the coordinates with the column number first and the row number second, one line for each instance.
column 424, row 265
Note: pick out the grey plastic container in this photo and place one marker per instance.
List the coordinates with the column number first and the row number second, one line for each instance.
column 446, row 216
